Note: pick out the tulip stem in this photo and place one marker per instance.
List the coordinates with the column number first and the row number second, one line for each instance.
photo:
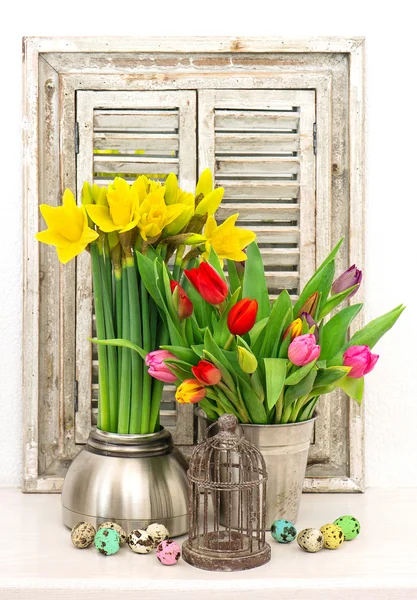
column 103, row 421
column 278, row 407
column 229, row 341
column 126, row 369
column 297, row 408
column 136, row 400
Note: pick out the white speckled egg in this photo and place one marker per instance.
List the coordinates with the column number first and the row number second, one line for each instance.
column 115, row 527
column 310, row 540
column 140, row 542
column 158, row 533
column 82, row 535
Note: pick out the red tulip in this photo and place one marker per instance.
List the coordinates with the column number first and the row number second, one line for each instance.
column 208, row 283
column 242, row 316
column 206, row 373
column 185, row 306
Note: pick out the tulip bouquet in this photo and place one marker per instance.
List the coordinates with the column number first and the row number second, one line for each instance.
column 132, row 232
column 233, row 352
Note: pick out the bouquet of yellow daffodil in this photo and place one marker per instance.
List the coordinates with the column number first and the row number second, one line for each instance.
column 125, row 228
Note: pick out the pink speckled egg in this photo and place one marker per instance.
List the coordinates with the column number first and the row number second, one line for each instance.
column 168, row 552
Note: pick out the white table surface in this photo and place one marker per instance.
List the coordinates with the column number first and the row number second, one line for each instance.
column 38, row 560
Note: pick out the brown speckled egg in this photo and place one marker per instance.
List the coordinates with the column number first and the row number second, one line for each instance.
column 310, row 540
column 140, row 542
column 82, row 535
column 115, row 527
column 158, row 533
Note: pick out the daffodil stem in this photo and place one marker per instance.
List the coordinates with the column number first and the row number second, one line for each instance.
column 178, row 262
column 157, row 387
column 103, row 421
column 126, row 369
column 136, row 404
column 117, row 274
column 111, row 350
column 145, row 425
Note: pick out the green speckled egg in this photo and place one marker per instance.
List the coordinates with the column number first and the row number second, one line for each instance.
column 349, row 525
column 116, row 527
column 283, row 531
column 107, row 541
column 82, row 535
column 310, row 540
column 333, row 536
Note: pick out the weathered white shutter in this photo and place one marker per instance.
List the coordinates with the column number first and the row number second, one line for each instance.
column 128, row 134
column 260, row 146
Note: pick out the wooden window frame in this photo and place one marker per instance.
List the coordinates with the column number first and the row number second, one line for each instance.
column 52, row 64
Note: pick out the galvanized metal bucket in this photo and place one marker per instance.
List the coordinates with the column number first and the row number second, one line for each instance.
column 285, row 450
column 134, row 480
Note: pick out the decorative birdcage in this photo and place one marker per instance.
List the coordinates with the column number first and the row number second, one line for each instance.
column 227, row 475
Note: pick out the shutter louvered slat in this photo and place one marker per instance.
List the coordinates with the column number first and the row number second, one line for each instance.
column 134, row 164
column 137, row 120
column 130, row 142
column 261, row 152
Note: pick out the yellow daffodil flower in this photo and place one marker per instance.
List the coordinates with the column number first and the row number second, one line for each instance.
column 227, row 240
column 145, row 186
column 153, row 215
column 94, row 194
column 120, row 214
column 175, row 195
column 208, row 199
column 67, row 229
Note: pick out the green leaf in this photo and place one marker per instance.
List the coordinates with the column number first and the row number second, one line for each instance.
column 214, row 261
column 334, row 332
column 147, row 273
column 353, row 387
column 275, row 372
column 253, row 405
column 256, row 330
column 299, row 374
column 226, row 376
column 325, row 287
column 281, row 315
column 314, row 282
column 212, row 348
column 234, row 279
column 185, row 354
column 334, row 301
column 122, row 343
column 371, row 333
column 304, row 387
column 283, row 349
column 254, row 281
column 185, row 366
column 330, row 375
column 198, row 349
column 221, row 331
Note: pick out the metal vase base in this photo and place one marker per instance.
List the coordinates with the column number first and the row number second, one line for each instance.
column 285, row 450
column 134, row 480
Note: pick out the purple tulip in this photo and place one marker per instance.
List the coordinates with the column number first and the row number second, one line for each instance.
column 360, row 359
column 353, row 276
column 311, row 322
column 303, row 350
column 157, row 368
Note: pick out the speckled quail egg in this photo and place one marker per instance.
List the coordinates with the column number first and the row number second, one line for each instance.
column 349, row 525
column 333, row 536
column 168, row 552
column 116, row 527
column 82, row 535
column 283, row 531
column 158, row 533
column 310, row 540
column 107, row 541
column 140, row 541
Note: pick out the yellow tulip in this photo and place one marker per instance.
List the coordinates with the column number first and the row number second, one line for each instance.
column 120, row 214
column 153, row 215
column 67, row 229
column 247, row 360
column 227, row 240
column 190, row 391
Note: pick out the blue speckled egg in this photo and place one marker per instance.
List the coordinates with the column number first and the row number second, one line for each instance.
column 283, row 531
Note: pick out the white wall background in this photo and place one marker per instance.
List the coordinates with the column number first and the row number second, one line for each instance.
column 391, row 234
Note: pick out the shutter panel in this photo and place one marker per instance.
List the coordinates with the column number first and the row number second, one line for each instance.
column 128, row 134
column 259, row 144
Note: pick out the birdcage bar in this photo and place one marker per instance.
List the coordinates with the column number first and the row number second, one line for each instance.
column 225, row 471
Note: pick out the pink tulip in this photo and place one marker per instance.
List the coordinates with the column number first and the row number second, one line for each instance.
column 157, row 368
column 360, row 359
column 303, row 350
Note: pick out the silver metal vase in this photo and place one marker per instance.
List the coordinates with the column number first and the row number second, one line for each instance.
column 285, row 451
column 133, row 480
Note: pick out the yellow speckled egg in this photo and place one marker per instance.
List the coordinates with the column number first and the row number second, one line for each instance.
column 333, row 536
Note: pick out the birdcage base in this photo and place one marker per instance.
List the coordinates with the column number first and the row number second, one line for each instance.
column 213, row 558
